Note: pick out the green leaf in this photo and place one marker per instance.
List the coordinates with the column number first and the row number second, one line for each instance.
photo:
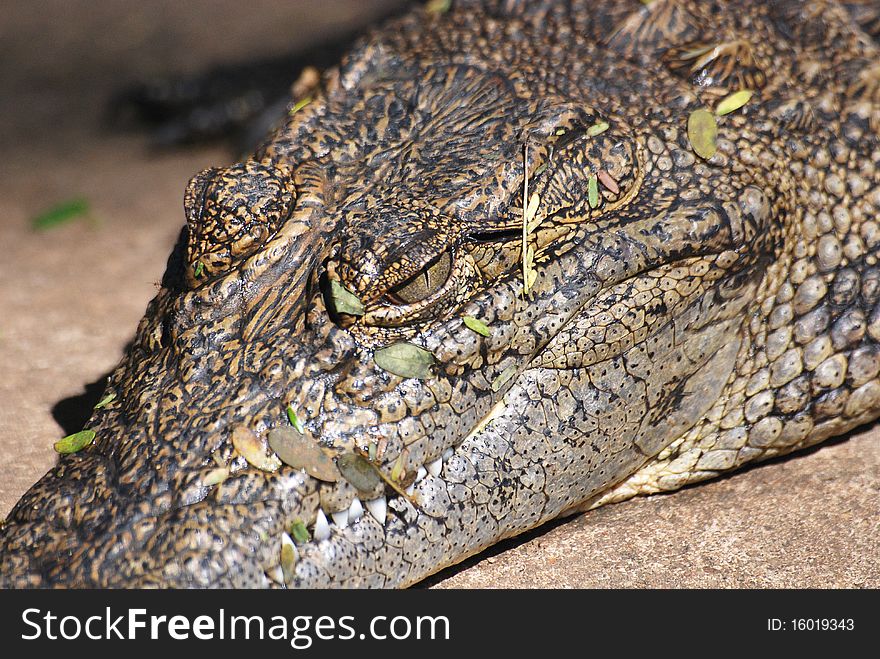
column 406, row 360
column 106, row 400
column 358, row 471
column 505, row 375
column 597, row 128
column 75, row 442
column 199, row 269
column 438, row 6
column 300, row 104
column 702, row 133
column 294, row 420
column 593, row 191
column 299, row 532
column 57, row 215
column 344, row 301
column 733, row 102
column 477, row 325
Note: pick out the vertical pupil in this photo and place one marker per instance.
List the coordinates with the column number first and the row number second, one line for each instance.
column 426, row 282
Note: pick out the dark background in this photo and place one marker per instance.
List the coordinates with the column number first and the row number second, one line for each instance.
column 70, row 299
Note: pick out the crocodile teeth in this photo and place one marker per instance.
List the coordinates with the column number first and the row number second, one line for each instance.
column 448, row 453
column 378, row 508
column 322, row 527
column 355, row 511
column 411, row 489
column 340, row 518
column 421, row 473
column 276, row 574
column 435, row 467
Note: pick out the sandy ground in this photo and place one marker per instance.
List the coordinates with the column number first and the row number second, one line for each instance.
column 71, row 298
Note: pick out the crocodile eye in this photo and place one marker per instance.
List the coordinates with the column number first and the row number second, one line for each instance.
column 425, row 283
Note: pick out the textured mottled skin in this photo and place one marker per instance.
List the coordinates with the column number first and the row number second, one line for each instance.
column 703, row 315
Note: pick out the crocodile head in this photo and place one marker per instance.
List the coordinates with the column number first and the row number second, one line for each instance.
column 469, row 287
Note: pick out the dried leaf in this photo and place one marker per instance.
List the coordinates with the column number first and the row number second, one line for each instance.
column 252, row 449
column 608, row 181
column 398, row 471
column 532, row 278
column 215, row 476
column 75, row 442
column 344, row 301
column 702, row 133
column 477, row 325
column 358, row 471
column 532, row 208
column 299, row 452
column 733, row 102
column 406, row 360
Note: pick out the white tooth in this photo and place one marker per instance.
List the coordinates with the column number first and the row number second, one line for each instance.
column 411, row 489
column 421, row 473
column 448, row 454
column 435, row 467
column 355, row 510
column 340, row 518
column 378, row 508
column 286, row 540
column 322, row 527
column 276, row 574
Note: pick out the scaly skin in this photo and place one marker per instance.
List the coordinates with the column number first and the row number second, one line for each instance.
column 699, row 315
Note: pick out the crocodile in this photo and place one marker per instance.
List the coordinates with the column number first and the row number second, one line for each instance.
column 508, row 261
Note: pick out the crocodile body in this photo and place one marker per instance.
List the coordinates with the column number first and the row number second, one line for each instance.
column 648, row 316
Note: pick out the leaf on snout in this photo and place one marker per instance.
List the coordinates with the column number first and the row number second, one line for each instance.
column 75, row 442
column 299, row 452
column 503, row 378
column 438, row 6
column 299, row 532
column 358, row 471
column 597, row 128
column 294, row 420
column 344, row 301
column 593, row 190
column 406, row 360
column 477, row 325
column 702, row 132
column 106, row 400
column 733, row 102
column 252, row 449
